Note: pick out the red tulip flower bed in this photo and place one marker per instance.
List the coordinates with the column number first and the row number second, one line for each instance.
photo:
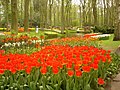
column 55, row 68
column 73, row 41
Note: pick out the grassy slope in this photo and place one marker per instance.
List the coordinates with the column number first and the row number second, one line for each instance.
column 110, row 44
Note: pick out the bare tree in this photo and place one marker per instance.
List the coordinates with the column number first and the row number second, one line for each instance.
column 94, row 11
column 117, row 29
column 62, row 17
column 14, row 25
column 26, row 15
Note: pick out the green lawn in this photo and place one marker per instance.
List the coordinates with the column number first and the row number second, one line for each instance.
column 33, row 33
column 110, row 44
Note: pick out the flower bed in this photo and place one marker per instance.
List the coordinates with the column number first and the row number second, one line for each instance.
column 55, row 68
column 25, row 43
column 18, row 44
column 98, row 36
column 76, row 41
column 102, row 37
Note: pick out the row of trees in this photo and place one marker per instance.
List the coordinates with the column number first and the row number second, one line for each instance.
column 63, row 13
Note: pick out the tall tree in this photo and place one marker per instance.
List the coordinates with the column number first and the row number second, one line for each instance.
column 68, row 12
column 80, row 16
column 89, row 13
column 105, row 17
column 94, row 11
column 26, row 15
column 21, row 13
column 117, row 29
column 0, row 13
column 50, row 11
column 62, row 17
column 14, row 18
column 54, row 14
column 58, row 13
column 7, row 13
column 43, row 13
column 31, row 12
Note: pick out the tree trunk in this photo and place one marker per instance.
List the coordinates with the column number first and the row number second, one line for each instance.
column 62, row 17
column 104, row 13
column 26, row 15
column 43, row 13
column 58, row 13
column 112, row 14
column 21, row 14
column 54, row 15
column 84, row 15
column 14, row 12
column 94, row 11
column 50, row 12
column 102, row 17
column 117, row 29
column 80, row 16
column 6, row 13
column 89, row 13
column 67, row 12
column 31, row 12
column 0, row 13
column 107, row 12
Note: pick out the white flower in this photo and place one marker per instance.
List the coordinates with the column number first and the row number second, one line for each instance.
column 14, row 44
column 6, row 44
column 23, row 42
column 18, row 43
column 9, row 44
column 34, row 41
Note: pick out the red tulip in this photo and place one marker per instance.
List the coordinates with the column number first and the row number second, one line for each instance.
column 1, row 71
column 70, row 73
column 43, row 70
column 78, row 73
column 86, row 68
column 101, row 81
column 55, row 70
column 28, row 70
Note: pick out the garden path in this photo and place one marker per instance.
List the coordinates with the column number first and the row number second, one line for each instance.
column 115, row 84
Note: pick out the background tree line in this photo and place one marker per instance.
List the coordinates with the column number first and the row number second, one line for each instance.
column 62, row 13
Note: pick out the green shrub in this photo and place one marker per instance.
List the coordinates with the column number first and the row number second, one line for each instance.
column 104, row 38
column 114, row 66
column 103, row 29
column 51, row 35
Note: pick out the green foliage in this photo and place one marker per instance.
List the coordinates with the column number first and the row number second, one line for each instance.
column 75, row 22
column 103, row 29
column 51, row 35
column 114, row 66
column 104, row 38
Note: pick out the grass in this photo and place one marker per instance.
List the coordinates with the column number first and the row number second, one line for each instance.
column 33, row 33
column 50, row 32
column 110, row 44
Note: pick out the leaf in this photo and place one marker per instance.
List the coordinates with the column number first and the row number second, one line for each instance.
column 49, row 87
column 32, row 86
column 41, row 87
column 2, row 88
column 87, row 87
